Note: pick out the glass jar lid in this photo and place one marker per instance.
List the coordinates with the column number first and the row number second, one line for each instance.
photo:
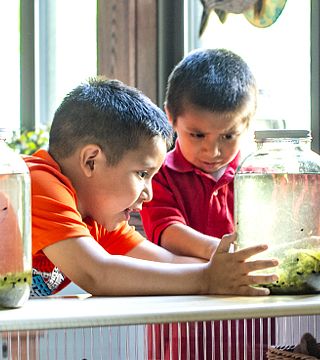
column 5, row 133
column 281, row 134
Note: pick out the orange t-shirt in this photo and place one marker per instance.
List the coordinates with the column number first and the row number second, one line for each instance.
column 55, row 217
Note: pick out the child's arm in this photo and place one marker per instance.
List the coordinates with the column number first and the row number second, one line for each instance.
column 87, row 264
column 148, row 251
column 182, row 240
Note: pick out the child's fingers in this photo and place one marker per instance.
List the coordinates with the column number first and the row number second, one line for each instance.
column 257, row 279
column 225, row 243
column 249, row 266
column 261, row 279
column 254, row 291
column 249, row 289
column 246, row 253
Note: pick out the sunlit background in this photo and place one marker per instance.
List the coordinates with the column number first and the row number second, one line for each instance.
column 66, row 54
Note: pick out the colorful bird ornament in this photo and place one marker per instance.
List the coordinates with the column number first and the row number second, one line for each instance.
column 260, row 13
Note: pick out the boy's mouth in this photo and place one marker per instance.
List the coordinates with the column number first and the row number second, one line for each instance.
column 127, row 212
column 209, row 166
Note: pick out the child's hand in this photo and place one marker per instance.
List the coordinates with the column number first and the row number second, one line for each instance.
column 229, row 273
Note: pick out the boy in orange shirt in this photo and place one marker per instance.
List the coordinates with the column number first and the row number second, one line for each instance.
column 107, row 141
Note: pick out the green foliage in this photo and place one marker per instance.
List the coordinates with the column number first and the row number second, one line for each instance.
column 29, row 141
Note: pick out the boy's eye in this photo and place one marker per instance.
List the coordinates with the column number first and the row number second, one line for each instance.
column 228, row 136
column 197, row 135
column 142, row 174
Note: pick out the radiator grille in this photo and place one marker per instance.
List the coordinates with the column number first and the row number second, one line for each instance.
column 147, row 342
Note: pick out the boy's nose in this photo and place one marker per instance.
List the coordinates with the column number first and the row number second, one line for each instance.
column 147, row 192
column 213, row 148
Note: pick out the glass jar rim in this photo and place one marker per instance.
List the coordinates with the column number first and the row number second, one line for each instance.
column 281, row 134
column 5, row 133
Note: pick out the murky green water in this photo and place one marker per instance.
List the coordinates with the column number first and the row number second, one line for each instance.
column 283, row 211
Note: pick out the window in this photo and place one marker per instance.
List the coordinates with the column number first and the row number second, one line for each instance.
column 10, row 64
column 279, row 56
column 50, row 47
column 66, row 48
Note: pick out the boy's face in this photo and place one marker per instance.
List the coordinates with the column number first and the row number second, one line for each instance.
column 209, row 140
column 115, row 191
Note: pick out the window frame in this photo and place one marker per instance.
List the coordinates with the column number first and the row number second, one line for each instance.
column 315, row 75
column 27, row 66
column 140, row 41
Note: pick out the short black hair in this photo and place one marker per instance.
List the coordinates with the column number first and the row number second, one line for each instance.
column 216, row 80
column 107, row 113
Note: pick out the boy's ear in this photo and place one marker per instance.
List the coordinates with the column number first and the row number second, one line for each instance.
column 168, row 115
column 89, row 155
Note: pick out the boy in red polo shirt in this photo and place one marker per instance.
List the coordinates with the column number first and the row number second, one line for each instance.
column 210, row 100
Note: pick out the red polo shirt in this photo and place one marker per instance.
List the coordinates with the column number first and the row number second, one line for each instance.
column 184, row 194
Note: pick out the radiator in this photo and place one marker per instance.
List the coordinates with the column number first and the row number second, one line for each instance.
column 137, row 342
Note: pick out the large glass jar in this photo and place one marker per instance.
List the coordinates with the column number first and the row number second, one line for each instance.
column 15, row 227
column 277, row 202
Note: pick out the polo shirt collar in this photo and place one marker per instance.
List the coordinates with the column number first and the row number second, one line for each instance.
column 176, row 161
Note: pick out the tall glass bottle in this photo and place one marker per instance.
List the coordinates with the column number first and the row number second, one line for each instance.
column 277, row 202
column 15, row 227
